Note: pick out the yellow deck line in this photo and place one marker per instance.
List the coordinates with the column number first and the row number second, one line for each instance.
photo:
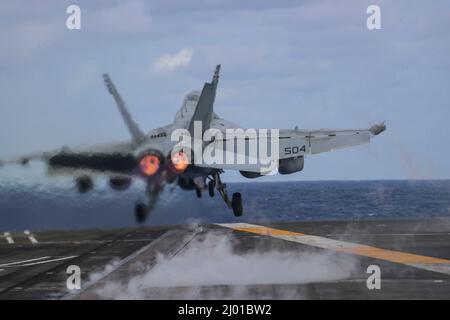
column 410, row 259
column 394, row 256
column 270, row 231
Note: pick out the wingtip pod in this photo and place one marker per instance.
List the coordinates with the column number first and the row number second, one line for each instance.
column 378, row 128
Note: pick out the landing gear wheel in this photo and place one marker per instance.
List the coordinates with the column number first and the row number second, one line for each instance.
column 198, row 192
column 140, row 212
column 236, row 204
column 211, row 186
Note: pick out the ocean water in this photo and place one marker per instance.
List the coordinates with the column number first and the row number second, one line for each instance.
column 40, row 206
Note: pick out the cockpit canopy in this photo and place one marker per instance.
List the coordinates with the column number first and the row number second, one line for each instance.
column 189, row 103
column 191, row 97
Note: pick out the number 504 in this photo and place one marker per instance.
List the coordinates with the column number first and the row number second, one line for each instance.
column 294, row 150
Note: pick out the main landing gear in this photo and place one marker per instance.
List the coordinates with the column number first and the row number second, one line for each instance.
column 236, row 200
column 236, row 204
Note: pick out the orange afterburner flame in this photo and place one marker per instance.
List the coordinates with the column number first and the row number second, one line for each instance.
column 180, row 161
column 149, row 164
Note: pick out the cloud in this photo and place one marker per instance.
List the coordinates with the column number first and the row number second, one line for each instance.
column 168, row 62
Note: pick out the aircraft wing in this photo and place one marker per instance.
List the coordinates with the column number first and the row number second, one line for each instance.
column 100, row 158
column 325, row 140
column 294, row 143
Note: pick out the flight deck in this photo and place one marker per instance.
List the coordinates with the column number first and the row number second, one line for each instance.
column 260, row 260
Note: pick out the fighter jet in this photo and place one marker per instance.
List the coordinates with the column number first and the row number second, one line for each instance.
column 157, row 158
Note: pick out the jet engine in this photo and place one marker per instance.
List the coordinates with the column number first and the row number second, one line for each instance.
column 150, row 163
column 179, row 161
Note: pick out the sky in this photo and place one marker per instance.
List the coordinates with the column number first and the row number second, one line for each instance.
column 314, row 64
